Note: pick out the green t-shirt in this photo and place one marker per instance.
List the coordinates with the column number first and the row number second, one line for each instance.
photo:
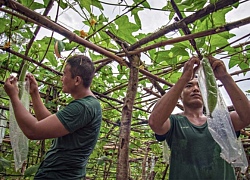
column 194, row 153
column 68, row 155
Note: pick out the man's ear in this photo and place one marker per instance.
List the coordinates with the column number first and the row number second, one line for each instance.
column 78, row 80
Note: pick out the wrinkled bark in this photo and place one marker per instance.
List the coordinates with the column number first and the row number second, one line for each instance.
column 124, row 137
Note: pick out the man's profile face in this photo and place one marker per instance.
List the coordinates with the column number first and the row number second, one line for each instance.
column 67, row 80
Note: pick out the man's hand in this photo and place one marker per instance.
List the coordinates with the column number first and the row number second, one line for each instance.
column 190, row 68
column 10, row 87
column 32, row 83
column 218, row 67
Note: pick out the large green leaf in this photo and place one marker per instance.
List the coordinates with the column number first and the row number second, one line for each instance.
column 136, row 16
column 4, row 21
column 31, row 170
column 219, row 17
column 217, row 41
column 126, row 32
column 4, row 163
column 31, row 4
column 88, row 3
column 51, row 57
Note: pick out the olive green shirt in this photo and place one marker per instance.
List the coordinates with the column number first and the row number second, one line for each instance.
column 68, row 155
column 194, row 153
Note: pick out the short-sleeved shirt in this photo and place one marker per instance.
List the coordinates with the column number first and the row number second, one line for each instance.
column 68, row 155
column 194, row 153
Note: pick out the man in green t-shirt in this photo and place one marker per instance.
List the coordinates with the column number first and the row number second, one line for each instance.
column 75, row 128
column 194, row 153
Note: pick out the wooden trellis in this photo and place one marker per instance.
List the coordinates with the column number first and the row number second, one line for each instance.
column 128, row 57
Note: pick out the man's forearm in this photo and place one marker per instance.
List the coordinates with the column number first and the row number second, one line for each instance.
column 167, row 103
column 41, row 111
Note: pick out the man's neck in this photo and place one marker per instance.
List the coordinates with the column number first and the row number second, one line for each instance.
column 196, row 116
column 83, row 93
column 197, row 112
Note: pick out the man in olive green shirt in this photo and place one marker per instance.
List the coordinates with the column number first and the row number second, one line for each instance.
column 194, row 153
column 75, row 128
